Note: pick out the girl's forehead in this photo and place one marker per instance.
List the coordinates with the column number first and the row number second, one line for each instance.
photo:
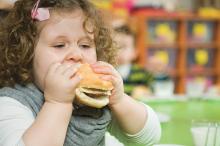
column 59, row 15
column 65, row 24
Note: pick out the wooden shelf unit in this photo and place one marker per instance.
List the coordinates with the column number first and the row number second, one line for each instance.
column 180, row 72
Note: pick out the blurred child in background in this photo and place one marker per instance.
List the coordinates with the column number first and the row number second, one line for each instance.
column 136, row 79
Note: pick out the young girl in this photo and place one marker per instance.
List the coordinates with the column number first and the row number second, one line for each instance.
column 42, row 44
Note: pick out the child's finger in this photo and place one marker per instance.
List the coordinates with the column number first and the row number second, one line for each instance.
column 53, row 67
column 101, row 67
column 107, row 71
column 103, row 70
column 101, row 63
column 62, row 68
column 76, row 79
column 110, row 78
column 71, row 71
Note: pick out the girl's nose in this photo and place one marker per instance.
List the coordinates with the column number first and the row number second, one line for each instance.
column 74, row 54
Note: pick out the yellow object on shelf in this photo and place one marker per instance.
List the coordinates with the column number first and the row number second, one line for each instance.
column 117, row 7
column 165, row 33
column 121, row 12
column 103, row 4
column 163, row 56
column 201, row 57
column 200, row 30
column 209, row 12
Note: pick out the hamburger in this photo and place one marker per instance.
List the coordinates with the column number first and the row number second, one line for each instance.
column 92, row 91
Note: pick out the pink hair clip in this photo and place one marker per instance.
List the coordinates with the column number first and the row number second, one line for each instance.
column 39, row 14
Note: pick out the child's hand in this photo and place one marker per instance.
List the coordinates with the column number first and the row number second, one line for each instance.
column 60, row 83
column 110, row 74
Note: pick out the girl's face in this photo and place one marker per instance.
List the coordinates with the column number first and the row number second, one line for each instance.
column 62, row 39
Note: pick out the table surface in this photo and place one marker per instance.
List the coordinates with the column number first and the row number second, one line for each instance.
column 182, row 113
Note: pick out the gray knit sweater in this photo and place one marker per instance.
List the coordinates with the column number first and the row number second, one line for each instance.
column 87, row 126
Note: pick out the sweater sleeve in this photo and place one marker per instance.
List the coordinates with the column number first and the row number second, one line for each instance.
column 149, row 135
column 15, row 119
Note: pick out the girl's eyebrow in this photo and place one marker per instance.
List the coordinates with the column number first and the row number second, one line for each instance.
column 60, row 37
column 57, row 38
column 87, row 38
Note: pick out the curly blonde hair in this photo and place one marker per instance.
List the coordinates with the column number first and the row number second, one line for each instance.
column 19, row 33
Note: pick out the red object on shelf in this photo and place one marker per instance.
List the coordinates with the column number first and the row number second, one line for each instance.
column 124, row 4
column 152, row 12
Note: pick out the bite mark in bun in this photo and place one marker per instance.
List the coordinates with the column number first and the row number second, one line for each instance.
column 92, row 91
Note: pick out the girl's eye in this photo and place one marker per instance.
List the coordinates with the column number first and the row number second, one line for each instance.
column 59, row 46
column 85, row 46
